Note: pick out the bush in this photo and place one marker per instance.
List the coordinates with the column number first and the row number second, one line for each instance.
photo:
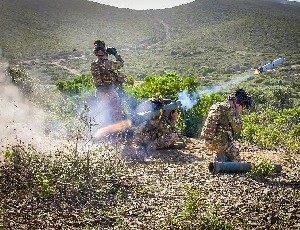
column 261, row 168
column 273, row 129
column 80, row 84
column 168, row 86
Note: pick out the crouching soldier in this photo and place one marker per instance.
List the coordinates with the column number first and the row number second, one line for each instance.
column 159, row 132
column 108, row 80
column 223, row 123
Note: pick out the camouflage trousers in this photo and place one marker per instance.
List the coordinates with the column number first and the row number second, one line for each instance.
column 170, row 140
column 224, row 152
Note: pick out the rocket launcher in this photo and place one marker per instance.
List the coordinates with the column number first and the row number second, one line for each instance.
column 157, row 111
column 235, row 167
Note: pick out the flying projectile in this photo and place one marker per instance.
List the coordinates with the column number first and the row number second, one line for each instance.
column 265, row 67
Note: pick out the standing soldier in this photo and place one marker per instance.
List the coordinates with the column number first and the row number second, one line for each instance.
column 108, row 80
column 223, row 123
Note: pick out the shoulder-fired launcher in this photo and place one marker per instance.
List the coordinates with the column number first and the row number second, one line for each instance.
column 157, row 111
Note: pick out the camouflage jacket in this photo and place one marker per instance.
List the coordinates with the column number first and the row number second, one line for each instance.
column 154, row 128
column 107, row 73
column 222, row 123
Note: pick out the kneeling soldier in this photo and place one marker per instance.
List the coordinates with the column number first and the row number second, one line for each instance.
column 223, row 123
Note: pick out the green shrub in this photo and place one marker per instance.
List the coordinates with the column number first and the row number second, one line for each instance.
column 167, row 86
column 80, row 84
column 273, row 129
column 261, row 168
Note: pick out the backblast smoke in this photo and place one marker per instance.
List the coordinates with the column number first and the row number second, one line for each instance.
column 19, row 119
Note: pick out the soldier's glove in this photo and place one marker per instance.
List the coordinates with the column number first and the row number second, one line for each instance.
column 111, row 50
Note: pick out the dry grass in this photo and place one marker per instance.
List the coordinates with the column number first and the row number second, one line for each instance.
column 171, row 189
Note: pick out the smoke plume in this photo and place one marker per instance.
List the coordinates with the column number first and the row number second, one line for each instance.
column 189, row 100
column 19, row 119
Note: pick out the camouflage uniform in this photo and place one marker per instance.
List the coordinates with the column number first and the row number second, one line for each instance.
column 108, row 80
column 222, row 123
column 157, row 134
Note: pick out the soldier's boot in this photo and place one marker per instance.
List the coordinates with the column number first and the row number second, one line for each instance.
column 221, row 157
column 178, row 145
column 233, row 154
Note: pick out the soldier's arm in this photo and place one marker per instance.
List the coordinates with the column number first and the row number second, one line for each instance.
column 118, row 63
column 235, row 121
column 119, row 59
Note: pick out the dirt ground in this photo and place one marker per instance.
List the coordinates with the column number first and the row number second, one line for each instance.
column 152, row 190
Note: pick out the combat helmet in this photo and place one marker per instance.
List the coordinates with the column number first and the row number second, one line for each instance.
column 243, row 98
column 99, row 48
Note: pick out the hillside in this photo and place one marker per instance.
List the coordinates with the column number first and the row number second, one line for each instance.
column 54, row 172
column 193, row 39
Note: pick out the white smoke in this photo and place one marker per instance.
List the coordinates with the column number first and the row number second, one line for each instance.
column 225, row 85
column 20, row 120
column 189, row 100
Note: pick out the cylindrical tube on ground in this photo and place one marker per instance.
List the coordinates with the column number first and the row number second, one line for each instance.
column 235, row 167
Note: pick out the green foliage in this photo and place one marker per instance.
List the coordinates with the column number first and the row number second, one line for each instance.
column 192, row 204
column 45, row 185
column 167, row 86
column 83, row 84
column 213, row 222
column 273, row 129
column 276, row 98
column 262, row 168
column 130, row 80
column 194, row 118
column 73, row 102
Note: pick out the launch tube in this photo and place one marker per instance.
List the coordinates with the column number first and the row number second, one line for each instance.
column 141, row 117
column 235, row 167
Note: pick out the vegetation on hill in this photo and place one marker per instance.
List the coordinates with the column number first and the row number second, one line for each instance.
column 200, row 38
column 85, row 184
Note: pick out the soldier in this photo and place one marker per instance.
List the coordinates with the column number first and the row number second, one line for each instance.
column 159, row 133
column 108, row 80
column 223, row 123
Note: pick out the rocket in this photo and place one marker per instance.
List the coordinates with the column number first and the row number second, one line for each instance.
column 265, row 67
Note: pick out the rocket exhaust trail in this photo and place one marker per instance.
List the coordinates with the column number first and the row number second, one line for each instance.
column 218, row 88
column 189, row 100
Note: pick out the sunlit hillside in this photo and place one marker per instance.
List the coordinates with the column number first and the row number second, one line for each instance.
column 193, row 39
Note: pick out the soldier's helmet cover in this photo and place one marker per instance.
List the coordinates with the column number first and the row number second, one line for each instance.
column 99, row 48
column 243, row 98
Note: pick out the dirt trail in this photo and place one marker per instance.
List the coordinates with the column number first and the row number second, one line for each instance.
column 162, row 33
column 72, row 71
